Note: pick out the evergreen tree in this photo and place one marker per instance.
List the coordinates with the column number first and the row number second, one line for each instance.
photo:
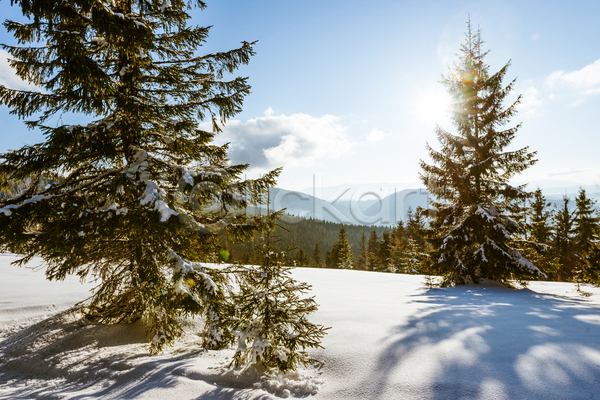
column 592, row 265
column 538, row 229
column 136, row 195
column 563, row 245
column 406, row 256
column 317, row 257
column 470, row 229
column 270, row 323
column 341, row 254
column 362, row 259
column 415, row 224
column 329, row 259
column 301, row 259
column 586, row 237
column 373, row 252
column 385, row 253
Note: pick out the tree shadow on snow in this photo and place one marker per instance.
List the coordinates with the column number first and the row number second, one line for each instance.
column 58, row 358
column 476, row 342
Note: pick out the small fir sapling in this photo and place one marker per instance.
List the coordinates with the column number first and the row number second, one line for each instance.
column 271, row 325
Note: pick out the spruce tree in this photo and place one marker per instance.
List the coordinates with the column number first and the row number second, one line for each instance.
column 329, row 259
column 470, row 229
column 405, row 255
column 301, row 259
column 362, row 258
column 385, row 253
column 317, row 257
column 341, row 254
column 136, row 195
column 586, row 237
column 538, row 231
column 373, row 252
column 563, row 244
column 270, row 322
column 538, row 226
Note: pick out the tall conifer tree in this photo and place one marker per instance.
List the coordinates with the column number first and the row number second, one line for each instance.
column 538, row 225
column 470, row 228
column 538, row 229
column 563, row 243
column 373, row 252
column 136, row 193
column 385, row 253
column 362, row 257
column 342, row 255
column 317, row 257
column 586, row 237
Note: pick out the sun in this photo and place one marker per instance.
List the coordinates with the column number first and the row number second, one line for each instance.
column 433, row 107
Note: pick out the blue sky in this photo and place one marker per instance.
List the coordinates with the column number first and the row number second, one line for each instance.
column 349, row 90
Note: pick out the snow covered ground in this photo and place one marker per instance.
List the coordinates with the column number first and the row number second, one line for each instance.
column 391, row 338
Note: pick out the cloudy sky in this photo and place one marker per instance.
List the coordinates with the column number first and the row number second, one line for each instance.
column 349, row 90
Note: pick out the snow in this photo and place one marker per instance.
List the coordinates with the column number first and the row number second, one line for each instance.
column 34, row 199
column 164, row 7
column 153, row 192
column 391, row 338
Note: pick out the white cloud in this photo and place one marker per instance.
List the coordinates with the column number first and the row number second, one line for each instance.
column 530, row 100
column 570, row 171
column 376, row 135
column 8, row 77
column 285, row 140
column 571, row 88
column 585, row 81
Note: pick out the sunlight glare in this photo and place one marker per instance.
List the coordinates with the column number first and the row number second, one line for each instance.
column 433, row 107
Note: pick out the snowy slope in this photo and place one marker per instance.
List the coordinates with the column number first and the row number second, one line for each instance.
column 391, row 338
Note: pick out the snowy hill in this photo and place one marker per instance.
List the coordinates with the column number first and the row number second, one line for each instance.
column 391, row 338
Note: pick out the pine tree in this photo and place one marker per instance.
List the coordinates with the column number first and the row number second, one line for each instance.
column 329, row 259
column 586, row 237
column 362, row 259
column 538, row 231
column 385, row 253
column 270, row 324
column 470, row 229
column 373, row 252
column 563, row 245
column 301, row 259
column 415, row 226
column 317, row 257
column 341, row 254
column 538, row 227
column 408, row 257
column 135, row 195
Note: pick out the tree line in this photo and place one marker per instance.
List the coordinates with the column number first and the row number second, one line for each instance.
column 561, row 242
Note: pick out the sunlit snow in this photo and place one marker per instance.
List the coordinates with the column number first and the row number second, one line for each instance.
column 391, row 338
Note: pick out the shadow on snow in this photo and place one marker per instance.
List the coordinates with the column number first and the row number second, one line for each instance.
column 485, row 342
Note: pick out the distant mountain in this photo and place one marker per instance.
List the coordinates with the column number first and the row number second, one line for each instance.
column 366, row 206
column 375, row 210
